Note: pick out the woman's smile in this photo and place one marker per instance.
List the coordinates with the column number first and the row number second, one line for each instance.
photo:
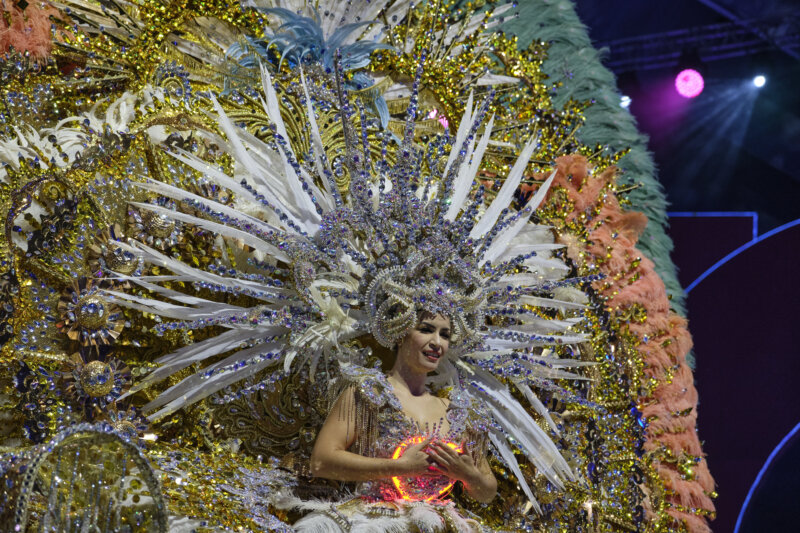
column 421, row 350
column 432, row 355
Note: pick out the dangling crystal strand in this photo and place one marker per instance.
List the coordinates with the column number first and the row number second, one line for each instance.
column 383, row 166
column 268, row 384
column 354, row 160
column 433, row 156
column 569, row 282
column 323, row 158
column 364, row 137
column 287, row 151
column 333, row 232
column 507, row 267
column 411, row 111
column 241, row 291
column 239, row 365
column 225, row 320
column 236, row 274
column 404, row 165
column 283, row 217
column 467, row 221
column 274, row 238
column 455, row 168
column 498, row 227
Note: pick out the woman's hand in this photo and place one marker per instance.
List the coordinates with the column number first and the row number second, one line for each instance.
column 477, row 477
column 453, row 464
column 415, row 461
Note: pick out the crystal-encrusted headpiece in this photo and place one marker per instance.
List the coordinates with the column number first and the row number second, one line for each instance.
column 397, row 295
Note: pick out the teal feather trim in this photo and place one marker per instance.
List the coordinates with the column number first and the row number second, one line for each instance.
column 574, row 62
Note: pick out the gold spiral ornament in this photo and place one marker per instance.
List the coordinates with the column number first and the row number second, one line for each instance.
column 157, row 225
column 118, row 260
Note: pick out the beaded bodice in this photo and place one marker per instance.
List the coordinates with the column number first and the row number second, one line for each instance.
column 379, row 407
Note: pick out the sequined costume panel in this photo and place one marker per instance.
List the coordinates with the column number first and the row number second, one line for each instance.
column 382, row 426
column 380, row 417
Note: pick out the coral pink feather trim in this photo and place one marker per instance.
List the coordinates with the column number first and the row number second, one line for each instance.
column 27, row 30
column 672, row 409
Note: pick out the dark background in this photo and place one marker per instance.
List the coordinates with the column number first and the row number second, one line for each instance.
column 728, row 161
column 734, row 147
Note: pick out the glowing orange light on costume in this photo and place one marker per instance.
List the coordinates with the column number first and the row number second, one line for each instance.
column 402, row 486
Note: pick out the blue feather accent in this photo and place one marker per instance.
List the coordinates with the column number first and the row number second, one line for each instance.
column 300, row 40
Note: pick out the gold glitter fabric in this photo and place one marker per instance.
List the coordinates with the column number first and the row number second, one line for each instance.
column 217, row 218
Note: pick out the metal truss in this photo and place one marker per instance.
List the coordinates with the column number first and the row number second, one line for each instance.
column 711, row 43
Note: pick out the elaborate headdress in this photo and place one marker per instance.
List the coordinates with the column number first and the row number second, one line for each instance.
column 410, row 235
column 397, row 295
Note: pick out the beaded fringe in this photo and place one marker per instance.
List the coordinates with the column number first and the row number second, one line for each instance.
column 365, row 420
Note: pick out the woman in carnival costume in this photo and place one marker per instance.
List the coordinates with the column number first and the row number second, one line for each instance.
column 418, row 263
column 424, row 444
column 412, row 256
column 415, row 254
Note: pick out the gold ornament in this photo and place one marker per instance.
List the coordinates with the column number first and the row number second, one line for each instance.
column 87, row 317
column 91, row 312
column 97, row 378
column 157, row 225
column 127, row 428
column 118, row 260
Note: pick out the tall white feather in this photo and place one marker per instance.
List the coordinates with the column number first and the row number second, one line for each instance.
column 316, row 138
column 466, row 175
column 170, row 310
column 508, row 458
column 509, row 233
column 510, row 344
column 194, row 353
column 181, row 195
column 273, row 111
column 216, row 227
column 154, row 257
column 527, row 434
column 253, row 169
column 461, row 134
column 197, row 386
column 244, row 198
column 550, row 303
column 503, row 198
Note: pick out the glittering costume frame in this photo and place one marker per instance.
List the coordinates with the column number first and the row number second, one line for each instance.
column 175, row 290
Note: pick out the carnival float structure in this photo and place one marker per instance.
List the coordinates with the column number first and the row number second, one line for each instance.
column 207, row 205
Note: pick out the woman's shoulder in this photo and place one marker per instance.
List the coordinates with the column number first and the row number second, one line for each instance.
column 466, row 404
column 367, row 384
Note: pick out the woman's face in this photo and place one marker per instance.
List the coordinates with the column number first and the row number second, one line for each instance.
column 426, row 344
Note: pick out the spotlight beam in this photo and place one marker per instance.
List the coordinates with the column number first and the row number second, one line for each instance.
column 719, row 123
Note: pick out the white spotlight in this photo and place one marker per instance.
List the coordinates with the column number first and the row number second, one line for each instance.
column 625, row 101
column 759, row 80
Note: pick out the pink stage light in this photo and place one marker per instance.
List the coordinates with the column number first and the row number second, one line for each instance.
column 441, row 118
column 689, row 83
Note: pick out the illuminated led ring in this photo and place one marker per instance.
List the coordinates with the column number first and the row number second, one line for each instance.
column 398, row 482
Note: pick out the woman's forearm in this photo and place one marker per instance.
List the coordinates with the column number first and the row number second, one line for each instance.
column 342, row 465
column 483, row 487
